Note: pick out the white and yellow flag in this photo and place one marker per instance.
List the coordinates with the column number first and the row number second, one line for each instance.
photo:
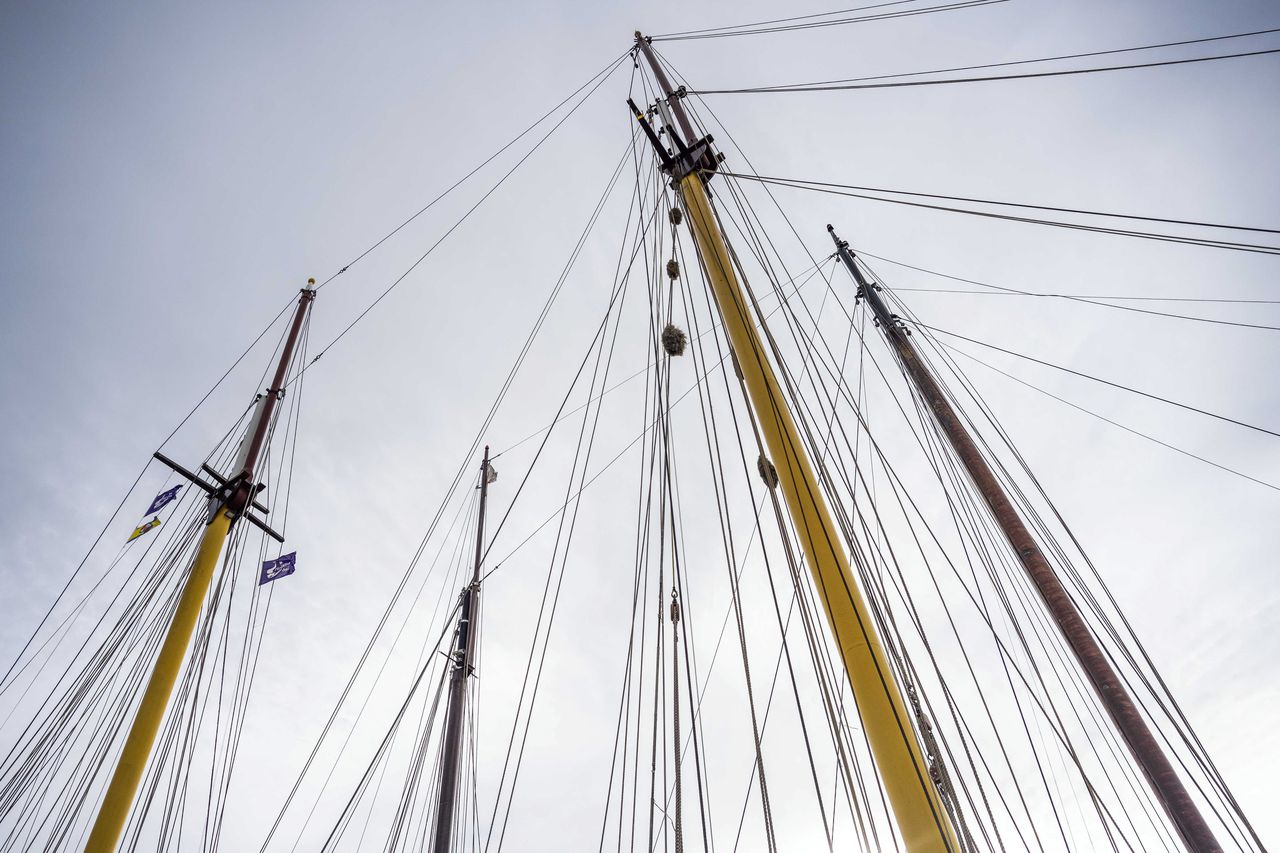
column 144, row 528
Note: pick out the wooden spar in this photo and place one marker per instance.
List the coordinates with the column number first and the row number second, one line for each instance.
column 227, row 506
column 463, row 655
column 1106, row 683
column 664, row 84
column 904, row 771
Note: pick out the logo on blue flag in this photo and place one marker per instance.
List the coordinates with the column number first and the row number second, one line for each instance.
column 162, row 500
column 278, row 568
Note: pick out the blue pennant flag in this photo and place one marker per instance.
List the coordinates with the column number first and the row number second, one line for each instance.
column 162, row 500
column 278, row 568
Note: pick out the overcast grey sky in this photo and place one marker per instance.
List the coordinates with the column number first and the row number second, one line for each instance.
column 171, row 173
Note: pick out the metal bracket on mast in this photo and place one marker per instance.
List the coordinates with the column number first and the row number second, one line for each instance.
column 868, row 290
column 699, row 157
column 238, row 494
column 221, row 492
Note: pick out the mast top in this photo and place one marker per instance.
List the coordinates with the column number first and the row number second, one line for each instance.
column 840, row 244
column 668, row 91
column 693, row 153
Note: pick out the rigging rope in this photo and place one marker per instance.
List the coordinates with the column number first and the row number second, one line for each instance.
column 997, row 290
column 1117, row 825
column 774, row 90
column 1166, row 400
column 1025, row 61
column 801, row 183
column 831, row 189
column 783, row 20
column 1105, row 419
column 609, row 67
column 466, row 215
column 882, row 16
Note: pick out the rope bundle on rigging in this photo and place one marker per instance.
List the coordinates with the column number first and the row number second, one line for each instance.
column 674, row 339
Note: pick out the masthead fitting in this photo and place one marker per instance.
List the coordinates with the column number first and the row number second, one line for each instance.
column 840, row 244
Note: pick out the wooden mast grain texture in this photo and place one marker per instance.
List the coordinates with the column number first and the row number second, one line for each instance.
column 1120, row 706
column 463, row 655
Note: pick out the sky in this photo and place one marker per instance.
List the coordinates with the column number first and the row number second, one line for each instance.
column 170, row 174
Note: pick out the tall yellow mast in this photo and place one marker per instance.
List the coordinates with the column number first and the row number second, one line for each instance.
column 904, row 772
column 227, row 506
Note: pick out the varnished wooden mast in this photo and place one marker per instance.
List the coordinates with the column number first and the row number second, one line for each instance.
column 463, row 657
column 1164, row 780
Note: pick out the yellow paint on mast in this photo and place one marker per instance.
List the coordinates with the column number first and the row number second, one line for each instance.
column 904, row 771
column 228, row 504
column 114, row 810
